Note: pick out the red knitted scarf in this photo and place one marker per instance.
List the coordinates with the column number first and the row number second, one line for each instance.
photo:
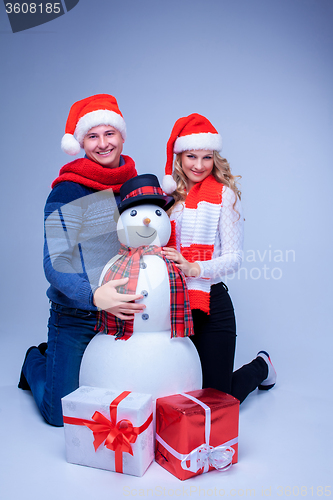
column 128, row 265
column 198, row 234
column 92, row 175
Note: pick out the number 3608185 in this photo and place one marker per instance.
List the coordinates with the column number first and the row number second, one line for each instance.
column 33, row 8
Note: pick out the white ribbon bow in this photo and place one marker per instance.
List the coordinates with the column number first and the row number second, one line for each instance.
column 204, row 456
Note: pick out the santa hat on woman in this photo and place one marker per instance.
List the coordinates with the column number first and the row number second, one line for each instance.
column 189, row 133
column 100, row 109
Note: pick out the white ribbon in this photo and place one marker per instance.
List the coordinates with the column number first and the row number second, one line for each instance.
column 204, row 455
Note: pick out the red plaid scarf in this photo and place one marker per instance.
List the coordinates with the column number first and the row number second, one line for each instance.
column 128, row 265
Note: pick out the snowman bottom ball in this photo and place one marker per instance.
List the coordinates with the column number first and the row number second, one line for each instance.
column 148, row 362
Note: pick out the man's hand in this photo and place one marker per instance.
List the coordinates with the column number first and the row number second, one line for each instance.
column 121, row 305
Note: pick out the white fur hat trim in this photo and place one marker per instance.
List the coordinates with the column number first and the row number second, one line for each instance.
column 99, row 117
column 207, row 140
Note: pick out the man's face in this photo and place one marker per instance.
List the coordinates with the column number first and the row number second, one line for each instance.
column 103, row 144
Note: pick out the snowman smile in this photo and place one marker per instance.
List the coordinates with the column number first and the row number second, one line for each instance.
column 149, row 236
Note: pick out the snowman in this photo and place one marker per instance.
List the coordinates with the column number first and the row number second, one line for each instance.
column 148, row 354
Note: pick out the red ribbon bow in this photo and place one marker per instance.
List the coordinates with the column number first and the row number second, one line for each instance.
column 117, row 436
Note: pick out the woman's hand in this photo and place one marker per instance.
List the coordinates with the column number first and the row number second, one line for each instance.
column 191, row 269
column 121, row 305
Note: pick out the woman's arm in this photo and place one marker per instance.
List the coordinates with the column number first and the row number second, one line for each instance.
column 229, row 243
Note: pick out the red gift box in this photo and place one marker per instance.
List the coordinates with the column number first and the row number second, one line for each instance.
column 196, row 432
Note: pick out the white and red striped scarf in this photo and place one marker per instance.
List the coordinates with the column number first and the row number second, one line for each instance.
column 198, row 233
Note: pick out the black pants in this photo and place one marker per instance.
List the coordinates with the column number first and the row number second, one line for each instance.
column 215, row 340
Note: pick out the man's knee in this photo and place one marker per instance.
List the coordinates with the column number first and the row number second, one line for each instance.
column 54, row 416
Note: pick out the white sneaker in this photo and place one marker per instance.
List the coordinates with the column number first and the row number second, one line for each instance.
column 270, row 380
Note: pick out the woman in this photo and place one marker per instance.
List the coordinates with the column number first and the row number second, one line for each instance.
column 207, row 245
column 80, row 237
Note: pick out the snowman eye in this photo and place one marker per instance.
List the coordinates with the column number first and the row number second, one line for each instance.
column 158, row 212
column 133, row 213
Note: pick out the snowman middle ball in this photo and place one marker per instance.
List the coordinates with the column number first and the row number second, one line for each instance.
column 150, row 361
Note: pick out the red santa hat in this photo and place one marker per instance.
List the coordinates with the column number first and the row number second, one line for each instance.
column 100, row 109
column 189, row 133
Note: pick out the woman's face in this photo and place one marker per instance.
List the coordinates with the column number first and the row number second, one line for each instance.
column 197, row 165
column 103, row 144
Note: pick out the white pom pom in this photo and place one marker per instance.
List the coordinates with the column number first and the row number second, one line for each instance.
column 169, row 185
column 70, row 145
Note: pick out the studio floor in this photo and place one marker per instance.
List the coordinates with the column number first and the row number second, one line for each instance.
column 285, row 443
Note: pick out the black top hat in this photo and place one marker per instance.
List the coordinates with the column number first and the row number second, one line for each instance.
column 142, row 189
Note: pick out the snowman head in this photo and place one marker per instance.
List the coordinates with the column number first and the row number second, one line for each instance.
column 142, row 217
column 143, row 225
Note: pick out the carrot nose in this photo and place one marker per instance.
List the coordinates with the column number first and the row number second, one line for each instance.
column 146, row 221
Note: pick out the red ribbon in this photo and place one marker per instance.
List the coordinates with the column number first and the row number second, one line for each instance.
column 117, row 436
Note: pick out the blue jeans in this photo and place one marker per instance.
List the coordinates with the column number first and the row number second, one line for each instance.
column 56, row 374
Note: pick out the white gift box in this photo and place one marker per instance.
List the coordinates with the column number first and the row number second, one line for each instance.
column 109, row 430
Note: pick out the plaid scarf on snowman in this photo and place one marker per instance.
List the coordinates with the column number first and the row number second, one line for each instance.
column 128, row 265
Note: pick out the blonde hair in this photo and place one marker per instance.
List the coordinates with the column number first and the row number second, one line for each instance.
column 221, row 171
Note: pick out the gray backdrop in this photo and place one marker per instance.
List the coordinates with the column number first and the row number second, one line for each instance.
column 261, row 71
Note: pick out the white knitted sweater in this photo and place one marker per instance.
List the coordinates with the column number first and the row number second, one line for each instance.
column 228, row 246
